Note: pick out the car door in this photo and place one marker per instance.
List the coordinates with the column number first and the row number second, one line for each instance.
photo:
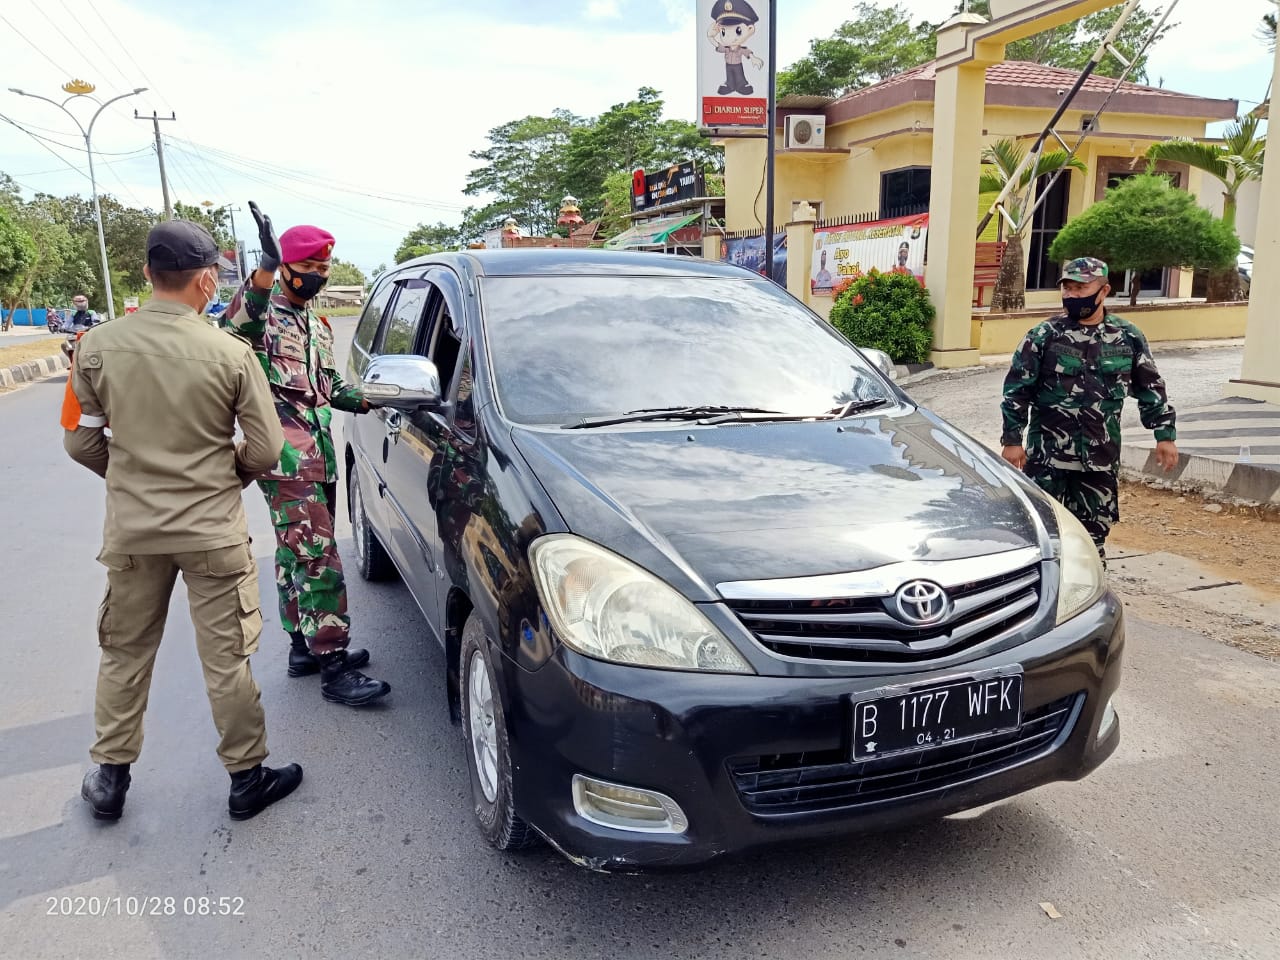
column 365, row 433
column 404, row 484
column 432, row 439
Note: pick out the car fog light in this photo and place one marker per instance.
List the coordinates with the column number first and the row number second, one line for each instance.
column 626, row 808
column 1107, row 722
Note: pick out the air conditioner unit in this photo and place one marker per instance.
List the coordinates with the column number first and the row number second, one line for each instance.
column 805, row 131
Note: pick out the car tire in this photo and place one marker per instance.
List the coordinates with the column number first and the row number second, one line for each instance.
column 372, row 559
column 488, row 746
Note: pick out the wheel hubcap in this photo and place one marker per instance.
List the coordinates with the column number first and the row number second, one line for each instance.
column 484, row 735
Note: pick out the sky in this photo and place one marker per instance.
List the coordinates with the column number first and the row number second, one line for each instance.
column 360, row 117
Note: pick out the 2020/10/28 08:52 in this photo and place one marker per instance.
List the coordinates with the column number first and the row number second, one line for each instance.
column 937, row 716
column 144, row 906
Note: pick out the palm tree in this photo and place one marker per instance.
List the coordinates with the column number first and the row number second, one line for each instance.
column 1001, row 161
column 1235, row 161
column 1267, row 30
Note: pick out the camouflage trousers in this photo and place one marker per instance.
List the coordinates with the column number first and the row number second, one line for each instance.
column 1092, row 496
column 313, row 593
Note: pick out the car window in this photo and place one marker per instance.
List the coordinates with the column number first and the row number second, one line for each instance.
column 401, row 330
column 368, row 326
column 563, row 348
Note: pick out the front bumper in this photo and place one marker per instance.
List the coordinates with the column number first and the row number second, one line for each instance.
column 726, row 748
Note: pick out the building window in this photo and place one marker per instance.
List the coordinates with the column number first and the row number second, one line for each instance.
column 905, row 192
column 1049, row 219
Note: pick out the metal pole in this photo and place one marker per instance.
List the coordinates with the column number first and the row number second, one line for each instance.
column 235, row 242
column 102, row 239
column 772, row 139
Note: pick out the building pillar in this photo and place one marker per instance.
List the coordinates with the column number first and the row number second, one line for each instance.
column 800, row 253
column 958, row 110
column 1260, row 372
column 712, row 246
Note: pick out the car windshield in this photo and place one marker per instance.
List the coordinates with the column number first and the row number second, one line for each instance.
column 572, row 347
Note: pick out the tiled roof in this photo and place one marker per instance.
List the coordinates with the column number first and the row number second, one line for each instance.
column 1018, row 73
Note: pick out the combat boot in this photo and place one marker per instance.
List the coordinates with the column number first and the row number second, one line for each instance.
column 303, row 663
column 257, row 788
column 105, row 788
column 340, row 682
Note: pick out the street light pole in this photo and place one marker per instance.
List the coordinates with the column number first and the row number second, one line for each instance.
column 78, row 88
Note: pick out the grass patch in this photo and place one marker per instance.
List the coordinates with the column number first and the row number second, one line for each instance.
column 341, row 311
column 37, row 350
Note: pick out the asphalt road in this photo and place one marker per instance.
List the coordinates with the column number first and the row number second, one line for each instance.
column 27, row 335
column 1169, row 851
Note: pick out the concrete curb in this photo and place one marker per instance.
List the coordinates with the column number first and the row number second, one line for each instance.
column 32, row 370
column 1246, row 483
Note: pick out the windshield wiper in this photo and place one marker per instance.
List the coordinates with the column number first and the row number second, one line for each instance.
column 857, row 406
column 670, row 413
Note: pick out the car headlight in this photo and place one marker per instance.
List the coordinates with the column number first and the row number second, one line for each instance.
column 1082, row 577
column 608, row 608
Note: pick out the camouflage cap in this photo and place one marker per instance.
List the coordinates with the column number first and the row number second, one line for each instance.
column 1084, row 269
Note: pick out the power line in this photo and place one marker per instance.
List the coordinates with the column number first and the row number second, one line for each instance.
column 129, row 53
column 57, row 66
column 359, row 214
column 322, row 182
column 88, row 60
column 107, row 163
column 94, row 41
column 38, row 140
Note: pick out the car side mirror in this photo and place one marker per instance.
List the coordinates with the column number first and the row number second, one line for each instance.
column 402, row 383
column 882, row 360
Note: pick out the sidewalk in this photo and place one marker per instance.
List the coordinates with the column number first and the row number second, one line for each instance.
column 1231, row 448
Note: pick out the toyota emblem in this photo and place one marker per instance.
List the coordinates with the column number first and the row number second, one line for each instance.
column 921, row 602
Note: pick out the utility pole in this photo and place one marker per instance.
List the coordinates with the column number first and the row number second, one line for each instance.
column 771, row 141
column 155, row 119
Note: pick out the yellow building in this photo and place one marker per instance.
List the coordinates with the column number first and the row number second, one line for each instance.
column 879, row 148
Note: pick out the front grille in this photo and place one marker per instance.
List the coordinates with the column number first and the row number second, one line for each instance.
column 863, row 630
column 828, row 780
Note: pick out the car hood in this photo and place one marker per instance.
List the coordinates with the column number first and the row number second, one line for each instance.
column 709, row 505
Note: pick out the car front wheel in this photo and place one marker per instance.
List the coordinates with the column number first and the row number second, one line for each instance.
column 371, row 557
column 488, row 747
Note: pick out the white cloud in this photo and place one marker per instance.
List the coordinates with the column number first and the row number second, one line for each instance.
column 602, row 10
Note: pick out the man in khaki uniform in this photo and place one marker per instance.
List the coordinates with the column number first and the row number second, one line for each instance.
column 171, row 388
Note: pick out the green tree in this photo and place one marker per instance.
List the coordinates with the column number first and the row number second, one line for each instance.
column 344, row 274
column 1000, row 162
column 1267, row 29
column 615, row 204
column 1235, row 161
column 1072, row 44
column 17, row 251
column 881, row 41
column 876, row 43
column 1143, row 224
column 214, row 219
column 523, row 171
column 427, row 238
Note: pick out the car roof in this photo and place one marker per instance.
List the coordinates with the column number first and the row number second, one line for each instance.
column 560, row 261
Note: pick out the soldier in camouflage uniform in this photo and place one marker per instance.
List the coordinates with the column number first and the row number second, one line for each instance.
column 1066, row 387
column 295, row 348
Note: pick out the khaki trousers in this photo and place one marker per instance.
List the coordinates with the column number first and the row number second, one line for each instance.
column 226, row 612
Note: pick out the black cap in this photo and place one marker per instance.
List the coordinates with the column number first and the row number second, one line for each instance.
column 180, row 245
column 733, row 11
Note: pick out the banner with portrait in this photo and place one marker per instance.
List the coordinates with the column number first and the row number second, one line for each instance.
column 889, row 246
column 748, row 252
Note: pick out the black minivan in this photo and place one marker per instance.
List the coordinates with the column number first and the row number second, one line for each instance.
column 705, row 578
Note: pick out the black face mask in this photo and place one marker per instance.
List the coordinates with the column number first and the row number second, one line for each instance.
column 1080, row 308
column 304, row 286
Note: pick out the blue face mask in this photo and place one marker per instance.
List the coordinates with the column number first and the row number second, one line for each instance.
column 212, row 295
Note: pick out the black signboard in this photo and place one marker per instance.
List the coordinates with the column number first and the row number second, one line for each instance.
column 683, row 181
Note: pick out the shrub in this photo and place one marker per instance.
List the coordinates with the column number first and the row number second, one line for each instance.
column 887, row 311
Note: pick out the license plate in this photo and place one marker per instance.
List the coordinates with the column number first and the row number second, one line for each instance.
column 936, row 716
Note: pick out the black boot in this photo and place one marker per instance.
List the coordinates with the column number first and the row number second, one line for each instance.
column 340, row 682
column 105, row 788
column 303, row 663
column 253, row 790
